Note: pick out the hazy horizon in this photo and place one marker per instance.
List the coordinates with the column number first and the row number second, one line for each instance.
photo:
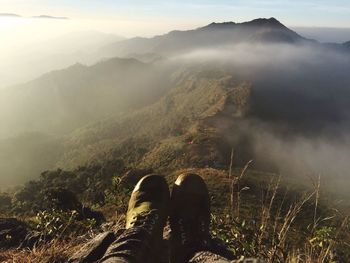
column 28, row 41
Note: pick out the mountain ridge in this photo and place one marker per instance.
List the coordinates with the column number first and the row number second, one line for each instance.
column 210, row 36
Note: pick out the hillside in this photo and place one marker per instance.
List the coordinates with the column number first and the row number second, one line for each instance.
column 160, row 134
column 54, row 105
column 78, row 95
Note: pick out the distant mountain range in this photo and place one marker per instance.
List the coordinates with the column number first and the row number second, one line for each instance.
column 211, row 36
column 164, row 113
column 30, row 61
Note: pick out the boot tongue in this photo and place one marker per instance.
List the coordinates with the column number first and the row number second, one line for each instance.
column 141, row 196
column 141, row 211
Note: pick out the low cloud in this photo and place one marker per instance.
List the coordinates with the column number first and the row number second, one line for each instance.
column 9, row 15
column 50, row 17
column 299, row 124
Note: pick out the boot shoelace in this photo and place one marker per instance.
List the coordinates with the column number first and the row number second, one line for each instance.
column 202, row 237
column 146, row 220
column 183, row 232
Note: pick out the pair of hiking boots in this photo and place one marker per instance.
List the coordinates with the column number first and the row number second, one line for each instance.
column 150, row 205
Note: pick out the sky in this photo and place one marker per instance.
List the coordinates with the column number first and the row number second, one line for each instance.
column 131, row 18
column 149, row 17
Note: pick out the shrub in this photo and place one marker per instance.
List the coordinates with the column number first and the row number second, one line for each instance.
column 61, row 224
column 5, row 202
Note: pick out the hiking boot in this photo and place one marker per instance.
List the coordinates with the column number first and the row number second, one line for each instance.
column 145, row 220
column 189, row 217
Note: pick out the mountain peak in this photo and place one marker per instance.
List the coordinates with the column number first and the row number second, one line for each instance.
column 224, row 25
column 260, row 22
column 270, row 22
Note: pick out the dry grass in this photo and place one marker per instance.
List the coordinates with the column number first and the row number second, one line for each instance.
column 235, row 194
column 272, row 236
column 60, row 250
column 53, row 252
column 288, row 227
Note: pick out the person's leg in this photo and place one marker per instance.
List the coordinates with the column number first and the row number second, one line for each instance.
column 145, row 220
column 189, row 223
column 211, row 257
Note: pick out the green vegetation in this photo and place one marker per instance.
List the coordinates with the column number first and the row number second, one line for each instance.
column 255, row 213
column 145, row 137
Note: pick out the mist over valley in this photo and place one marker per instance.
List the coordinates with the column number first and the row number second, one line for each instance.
column 258, row 82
